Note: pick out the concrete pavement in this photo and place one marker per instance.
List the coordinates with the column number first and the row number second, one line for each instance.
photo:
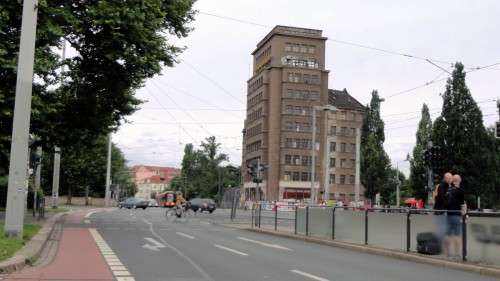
column 154, row 249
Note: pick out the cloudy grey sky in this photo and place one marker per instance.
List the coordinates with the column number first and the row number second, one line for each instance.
column 205, row 94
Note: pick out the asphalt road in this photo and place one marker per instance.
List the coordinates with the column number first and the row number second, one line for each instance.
column 154, row 249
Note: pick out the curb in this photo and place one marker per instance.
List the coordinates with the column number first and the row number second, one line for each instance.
column 32, row 250
column 478, row 269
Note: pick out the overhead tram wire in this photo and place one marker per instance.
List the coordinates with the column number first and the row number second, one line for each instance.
column 170, row 114
column 201, row 99
column 185, row 112
column 213, row 82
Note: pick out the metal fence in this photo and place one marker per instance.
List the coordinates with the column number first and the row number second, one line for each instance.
column 391, row 228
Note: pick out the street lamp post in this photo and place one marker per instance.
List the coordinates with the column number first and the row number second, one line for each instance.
column 14, row 217
column 313, row 148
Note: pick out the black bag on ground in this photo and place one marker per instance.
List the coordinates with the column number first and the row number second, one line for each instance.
column 428, row 243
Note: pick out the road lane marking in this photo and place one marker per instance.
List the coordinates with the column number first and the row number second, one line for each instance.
column 86, row 221
column 156, row 245
column 276, row 246
column 178, row 252
column 230, row 250
column 309, row 275
column 185, row 235
column 91, row 213
column 119, row 270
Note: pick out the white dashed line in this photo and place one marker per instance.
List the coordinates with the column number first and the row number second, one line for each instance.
column 230, row 250
column 119, row 270
column 185, row 235
column 276, row 246
column 309, row 275
column 86, row 221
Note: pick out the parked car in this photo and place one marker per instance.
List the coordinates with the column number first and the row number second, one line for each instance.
column 152, row 203
column 133, row 203
column 200, row 204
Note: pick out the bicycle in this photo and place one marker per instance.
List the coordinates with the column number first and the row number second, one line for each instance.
column 175, row 213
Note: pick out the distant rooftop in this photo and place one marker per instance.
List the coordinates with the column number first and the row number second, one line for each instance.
column 292, row 31
column 343, row 100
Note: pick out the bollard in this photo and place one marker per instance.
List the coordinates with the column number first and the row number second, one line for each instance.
column 296, row 210
column 464, row 237
column 333, row 223
column 307, row 221
column 275, row 217
column 408, row 231
column 366, row 227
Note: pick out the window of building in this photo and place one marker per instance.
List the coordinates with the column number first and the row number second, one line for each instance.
column 342, row 147
column 333, row 146
column 332, row 162
column 332, row 178
column 304, row 176
column 353, row 163
column 296, row 176
column 353, row 147
column 343, row 131
column 353, row 132
column 333, row 130
column 351, row 179
column 342, row 179
column 352, row 115
column 287, row 176
column 311, row 49
column 314, row 79
column 342, row 115
column 306, row 78
column 288, row 47
column 343, row 163
column 296, row 160
column 295, row 48
column 303, row 49
column 306, row 160
column 288, row 159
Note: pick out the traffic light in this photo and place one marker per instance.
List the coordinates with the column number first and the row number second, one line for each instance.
column 497, row 129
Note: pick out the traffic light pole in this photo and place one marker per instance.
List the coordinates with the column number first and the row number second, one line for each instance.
column 14, row 218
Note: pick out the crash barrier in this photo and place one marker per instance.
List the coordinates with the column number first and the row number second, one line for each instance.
column 410, row 230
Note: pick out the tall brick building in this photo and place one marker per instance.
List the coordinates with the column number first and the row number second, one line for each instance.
column 289, row 78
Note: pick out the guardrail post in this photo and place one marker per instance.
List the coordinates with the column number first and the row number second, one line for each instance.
column 260, row 214
column 408, row 231
column 366, row 227
column 275, row 217
column 333, row 223
column 296, row 210
column 307, row 220
column 464, row 237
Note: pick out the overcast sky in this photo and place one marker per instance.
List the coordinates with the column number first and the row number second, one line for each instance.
column 206, row 93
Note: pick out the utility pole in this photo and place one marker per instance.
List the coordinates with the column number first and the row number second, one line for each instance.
column 108, row 173
column 38, row 177
column 55, row 176
column 14, row 218
column 326, row 158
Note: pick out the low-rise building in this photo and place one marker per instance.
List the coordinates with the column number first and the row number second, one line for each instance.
column 152, row 180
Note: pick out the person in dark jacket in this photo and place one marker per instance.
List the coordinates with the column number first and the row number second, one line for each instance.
column 440, row 191
column 454, row 203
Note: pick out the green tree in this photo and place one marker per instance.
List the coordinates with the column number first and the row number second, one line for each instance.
column 468, row 149
column 389, row 190
column 119, row 44
column 418, row 171
column 374, row 160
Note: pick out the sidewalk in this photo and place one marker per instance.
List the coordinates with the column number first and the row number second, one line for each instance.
column 77, row 258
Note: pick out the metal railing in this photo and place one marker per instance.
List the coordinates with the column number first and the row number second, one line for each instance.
column 391, row 228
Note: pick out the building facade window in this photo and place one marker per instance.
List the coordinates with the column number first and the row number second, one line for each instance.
column 333, row 130
column 352, row 164
column 333, row 146
column 343, row 147
column 351, row 179
column 287, row 176
column 332, row 162
column 353, row 147
column 255, row 146
column 343, row 163
column 342, row 179
column 332, row 178
column 296, row 176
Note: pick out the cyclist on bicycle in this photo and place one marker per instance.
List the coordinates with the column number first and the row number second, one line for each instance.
column 180, row 204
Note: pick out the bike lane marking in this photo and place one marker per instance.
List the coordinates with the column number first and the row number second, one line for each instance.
column 120, row 272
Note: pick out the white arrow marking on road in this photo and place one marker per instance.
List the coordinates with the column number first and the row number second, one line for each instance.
column 230, row 250
column 276, row 246
column 156, row 245
column 185, row 235
column 309, row 275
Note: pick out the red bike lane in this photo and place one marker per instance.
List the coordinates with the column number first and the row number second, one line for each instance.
column 77, row 258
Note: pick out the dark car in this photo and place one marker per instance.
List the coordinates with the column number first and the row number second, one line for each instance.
column 200, row 204
column 134, row 203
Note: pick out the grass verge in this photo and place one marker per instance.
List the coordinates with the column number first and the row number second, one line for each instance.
column 8, row 247
column 55, row 210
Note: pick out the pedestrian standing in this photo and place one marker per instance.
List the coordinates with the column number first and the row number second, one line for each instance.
column 439, row 202
column 454, row 203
